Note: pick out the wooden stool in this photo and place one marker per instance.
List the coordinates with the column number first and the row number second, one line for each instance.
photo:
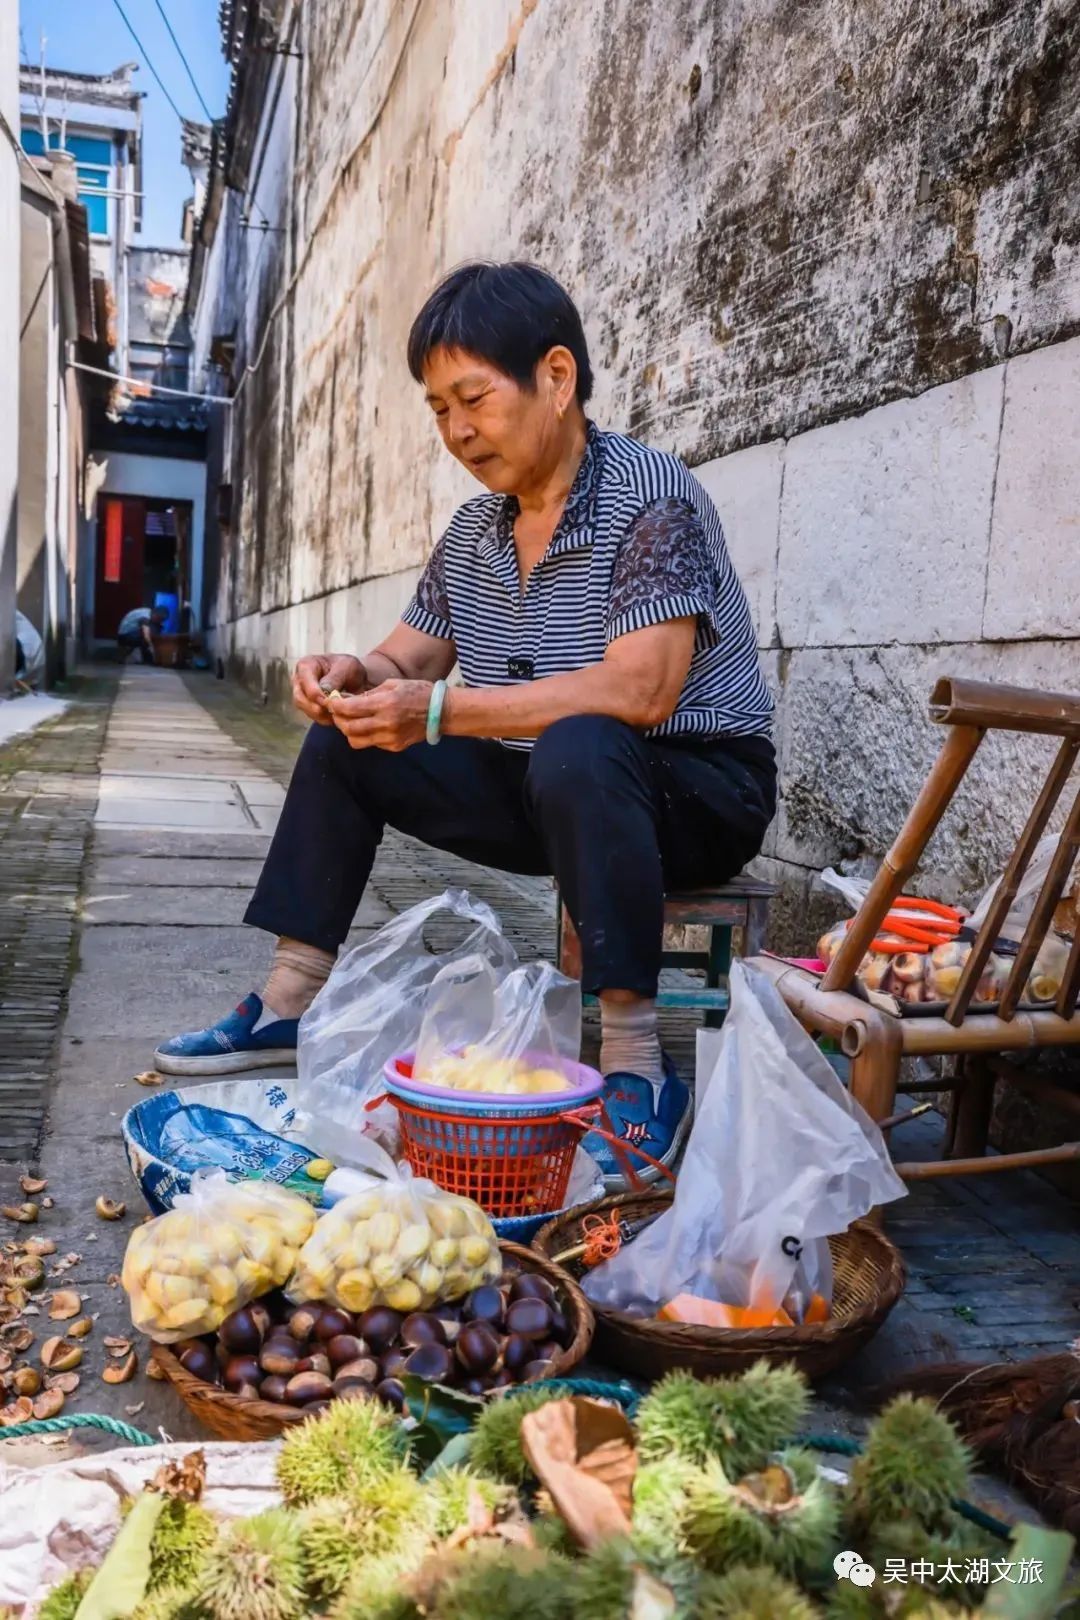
column 742, row 903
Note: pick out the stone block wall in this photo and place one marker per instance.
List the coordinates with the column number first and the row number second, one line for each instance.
column 829, row 254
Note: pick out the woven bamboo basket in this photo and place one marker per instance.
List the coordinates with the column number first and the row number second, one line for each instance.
column 236, row 1417
column 869, row 1277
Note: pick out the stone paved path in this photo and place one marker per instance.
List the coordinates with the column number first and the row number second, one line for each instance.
column 191, row 776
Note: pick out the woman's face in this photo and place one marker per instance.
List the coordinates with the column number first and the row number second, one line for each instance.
column 507, row 436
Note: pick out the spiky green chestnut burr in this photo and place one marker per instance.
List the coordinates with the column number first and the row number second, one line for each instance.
column 451, row 1493
column 512, row 1583
column 378, row 1590
column 381, row 1516
column 787, row 1519
column 752, row 1593
column 183, row 1537
column 616, row 1579
column 350, row 1445
column 739, row 1420
column 255, row 1569
column 496, row 1438
column 913, row 1465
column 661, row 1506
column 171, row 1603
column 66, row 1596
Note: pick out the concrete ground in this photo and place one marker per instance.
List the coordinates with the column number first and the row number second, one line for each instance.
column 167, row 802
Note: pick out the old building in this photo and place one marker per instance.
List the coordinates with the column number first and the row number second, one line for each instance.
column 10, row 182
column 829, row 255
column 56, row 321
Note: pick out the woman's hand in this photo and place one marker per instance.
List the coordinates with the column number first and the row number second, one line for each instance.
column 393, row 715
column 321, row 673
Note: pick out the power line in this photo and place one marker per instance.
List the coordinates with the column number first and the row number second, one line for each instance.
column 183, row 58
column 142, row 49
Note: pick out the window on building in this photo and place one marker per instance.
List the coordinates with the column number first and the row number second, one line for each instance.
column 93, row 164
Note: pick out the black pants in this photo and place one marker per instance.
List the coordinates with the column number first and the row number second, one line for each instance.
column 128, row 644
column 614, row 817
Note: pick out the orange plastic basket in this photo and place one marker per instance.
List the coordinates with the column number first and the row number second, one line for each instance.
column 511, row 1165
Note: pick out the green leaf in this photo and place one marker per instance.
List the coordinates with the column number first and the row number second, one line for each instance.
column 120, row 1584
column 454, row 1454
column 440, row 1414
column 1034, row 1600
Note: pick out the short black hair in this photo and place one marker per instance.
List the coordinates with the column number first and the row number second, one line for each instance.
column 508, row 314
column 159, row 611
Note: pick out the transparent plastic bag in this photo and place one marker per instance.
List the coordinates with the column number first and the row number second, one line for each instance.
column 779, row 1158
column 220, row 1246
column 488, row 1029
column 1027, row 892
column 404, row 1243
column 370, row 1009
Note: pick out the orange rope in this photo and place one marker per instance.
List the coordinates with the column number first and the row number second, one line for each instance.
column 603, row 1238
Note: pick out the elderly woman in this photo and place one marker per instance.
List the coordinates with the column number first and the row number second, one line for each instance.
column 612, row 725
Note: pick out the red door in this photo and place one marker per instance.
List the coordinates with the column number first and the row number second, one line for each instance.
column 118, row 582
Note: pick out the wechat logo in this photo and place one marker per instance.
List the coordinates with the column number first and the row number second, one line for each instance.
column 849, row 1566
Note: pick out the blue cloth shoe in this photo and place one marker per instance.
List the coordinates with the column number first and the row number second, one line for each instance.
column 643, row 1120
column 232, row 1044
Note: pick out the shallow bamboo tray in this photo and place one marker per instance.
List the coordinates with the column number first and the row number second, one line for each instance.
column 236, row 1417
column 869, row 1277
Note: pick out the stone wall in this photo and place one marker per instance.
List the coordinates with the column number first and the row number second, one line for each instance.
column 826, row 253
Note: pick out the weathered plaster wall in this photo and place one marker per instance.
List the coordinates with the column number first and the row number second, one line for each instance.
column 806, row 240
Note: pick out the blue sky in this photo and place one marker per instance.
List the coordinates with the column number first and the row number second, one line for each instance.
column 90, row 37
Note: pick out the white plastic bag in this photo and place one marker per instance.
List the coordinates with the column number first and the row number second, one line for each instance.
column 368, row 1010
column 779, row 1158
column 1023, row 904
column 503, row 1022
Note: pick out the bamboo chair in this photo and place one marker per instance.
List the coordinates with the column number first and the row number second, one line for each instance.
column 874, row 1040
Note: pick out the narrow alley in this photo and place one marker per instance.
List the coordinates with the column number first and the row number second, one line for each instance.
column 137, row 823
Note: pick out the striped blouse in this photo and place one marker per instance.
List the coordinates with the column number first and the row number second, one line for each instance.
column 639, row 543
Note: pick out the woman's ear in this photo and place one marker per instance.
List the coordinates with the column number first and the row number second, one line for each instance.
column 558, row 373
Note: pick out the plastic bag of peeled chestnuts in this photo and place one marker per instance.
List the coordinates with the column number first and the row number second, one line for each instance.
column 221, row 1245
column 404, row 1243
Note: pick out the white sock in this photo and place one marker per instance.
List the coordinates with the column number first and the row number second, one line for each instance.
column 629, row 1040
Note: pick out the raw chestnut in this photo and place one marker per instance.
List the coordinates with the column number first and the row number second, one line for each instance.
column 250, row 1392
column 422, row 1328
column 485, row 1305
column 392, row 1364
column 241, row 1370
column 392, row 1393
column 477, row 1347
column 536, row 1369
column 345, row 1347
column 319, row 1362
column 364, row 1368
column 502, row 1378
column 432, row 1363
column 353, row 1389
column 531, row 1317
column 331, row 1322
column 548, row 1352
column 560, row 1325
column 528, row 1285
column 281, row 1357
column 200, row 1361
column 518, row 1351
column 379, row 1327
column 273, row 1388
column 307, row 1387
column 313, row 1408
column 242, row 1333
column 302, row 1322
column 476, row 1386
